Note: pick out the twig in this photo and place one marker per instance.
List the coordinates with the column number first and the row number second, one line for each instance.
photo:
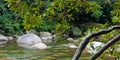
column 87, row 38
column 112, row 41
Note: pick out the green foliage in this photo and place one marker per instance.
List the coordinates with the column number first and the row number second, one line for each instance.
column 11, row 27
column 28, row 11
column 46, row 26
column 60, row 39
column 116, row 12
column 76, row 31
column 61, row 28
column 61, row 11
column 113, row 52
column 65, row 13
column 92, row 7
column 7, row 24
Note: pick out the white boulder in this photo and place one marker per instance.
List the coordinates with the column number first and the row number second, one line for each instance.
column 30, row 41
column 93, row 47
column 3, row 39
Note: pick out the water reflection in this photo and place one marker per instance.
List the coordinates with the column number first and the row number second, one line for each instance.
column 56, row 52
column 13, row 52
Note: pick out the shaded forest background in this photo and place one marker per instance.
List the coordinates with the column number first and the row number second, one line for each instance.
column 62, row 16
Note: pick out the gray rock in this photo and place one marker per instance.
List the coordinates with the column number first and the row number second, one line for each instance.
column 31, row 31
column 28, row 40
column 70, row 45
column 65, row 36
column 10, row 38
column 39, row 46
column 3, row 39
column 70, row 40
column 46, row 36
column 15, row 37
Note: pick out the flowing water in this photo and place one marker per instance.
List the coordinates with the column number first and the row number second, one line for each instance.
column 13, row 52
column 57, row 52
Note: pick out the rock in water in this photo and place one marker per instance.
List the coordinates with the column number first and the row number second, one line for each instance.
column 70, row 45
column 46, row 36
column 10, row 38
column 3, row 39
column 39, row 46
column 70, row 40
column 30, row 41
column 93, row 47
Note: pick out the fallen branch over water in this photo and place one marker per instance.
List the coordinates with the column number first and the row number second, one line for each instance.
column 107, row 45
column 87, row 38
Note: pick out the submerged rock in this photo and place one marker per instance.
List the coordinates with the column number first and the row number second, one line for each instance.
column 3, row 39
column 39, row 46
column 70, row 45
column 30, row 41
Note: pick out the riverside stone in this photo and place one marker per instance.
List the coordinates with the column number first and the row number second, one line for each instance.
column 3, row 39
column 30, row 41
column 94, row 46
column 46, row 36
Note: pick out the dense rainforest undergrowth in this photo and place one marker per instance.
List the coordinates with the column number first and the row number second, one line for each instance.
column 73, row 17
column 56, row 16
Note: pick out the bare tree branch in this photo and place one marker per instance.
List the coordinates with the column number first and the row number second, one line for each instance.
column 87, row 38
column 112, row 41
